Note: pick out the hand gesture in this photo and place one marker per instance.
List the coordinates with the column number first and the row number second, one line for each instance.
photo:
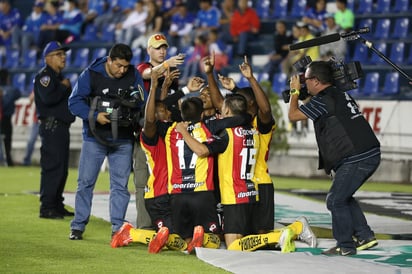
column 227, row 82
column 170, row 76
column 209, row 63
column 155, row 75
column 176, row 60
column 195, row 84
column 246, row 69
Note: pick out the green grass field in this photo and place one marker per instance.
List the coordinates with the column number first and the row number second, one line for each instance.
column 33, row 245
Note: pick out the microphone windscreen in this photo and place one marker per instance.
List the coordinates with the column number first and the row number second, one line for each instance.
column 316, row 41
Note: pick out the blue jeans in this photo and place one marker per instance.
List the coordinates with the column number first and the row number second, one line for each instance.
column 347, row 217
column 91, row 159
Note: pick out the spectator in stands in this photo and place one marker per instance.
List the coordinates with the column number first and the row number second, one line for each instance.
column 315, row 17
column 32, row 26
column 181, row 27
column 95, row 8
column 193, row 63
column 244, row 27
column 34, row 132
column 207, row 18
column 10, row 25
column 9, row 97
column 312, row 52
column 168, row 8
column 227, row 8
column 133, row 26
column 282, row 40
column 216, row 46
column 67, row 29
column 344, row 17
column 55, row 18
column 336, row 49
column 116, row 13
column 154, row 23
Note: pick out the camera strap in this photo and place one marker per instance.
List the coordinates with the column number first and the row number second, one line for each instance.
column 92, row 124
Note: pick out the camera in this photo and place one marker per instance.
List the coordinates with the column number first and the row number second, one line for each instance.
column 300, row 67
column 344, row 76
column 122, row 106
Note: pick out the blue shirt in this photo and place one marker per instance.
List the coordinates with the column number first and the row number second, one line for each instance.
column 208, row 18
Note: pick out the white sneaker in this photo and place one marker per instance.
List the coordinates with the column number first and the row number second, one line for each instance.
column 307, row 236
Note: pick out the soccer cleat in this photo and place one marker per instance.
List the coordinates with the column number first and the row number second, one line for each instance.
column 76, row 234
column 286, row 242
column 159, row 241
column 122, row 236
column 211, row 240
column 175, row 242
column 366, row 244
column 339, row 251
column 197, row 240
column 307, row 236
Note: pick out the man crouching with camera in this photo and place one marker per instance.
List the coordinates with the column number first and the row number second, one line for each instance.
column 105, row 99
column 348, row 148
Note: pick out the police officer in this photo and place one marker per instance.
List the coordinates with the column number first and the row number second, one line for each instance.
column 99, row 86
column 51, row 93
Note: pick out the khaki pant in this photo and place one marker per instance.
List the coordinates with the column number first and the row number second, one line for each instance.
column 141, row 174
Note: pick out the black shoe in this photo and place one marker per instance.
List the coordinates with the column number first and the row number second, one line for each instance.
column 339, row 251
column 50, row 214
column 76, row 235
column 65, row 212
column 366, row 244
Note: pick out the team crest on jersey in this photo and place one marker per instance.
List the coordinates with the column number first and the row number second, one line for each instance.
column 45, row 81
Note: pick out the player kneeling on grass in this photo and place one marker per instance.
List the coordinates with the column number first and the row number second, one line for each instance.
column 157, row 241
column 283, row 238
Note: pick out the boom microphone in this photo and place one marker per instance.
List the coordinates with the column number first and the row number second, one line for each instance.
column 316, row 41
column 354, row 32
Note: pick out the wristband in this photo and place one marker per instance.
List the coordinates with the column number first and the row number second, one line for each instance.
column 185, row 90
column 294, row 92
column 165, row 65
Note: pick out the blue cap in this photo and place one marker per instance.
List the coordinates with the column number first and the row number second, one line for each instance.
column 53, row 46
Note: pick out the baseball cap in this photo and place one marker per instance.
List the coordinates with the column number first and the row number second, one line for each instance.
column 157, row 40
column 53, row 46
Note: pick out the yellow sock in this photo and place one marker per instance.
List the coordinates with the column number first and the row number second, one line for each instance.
column 211, row 240
column 297, row 228
column 143, row 236
column 253, row 242
column 175, row 242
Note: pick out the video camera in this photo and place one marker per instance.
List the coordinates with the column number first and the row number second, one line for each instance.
column 343, row 76
column 122, row 106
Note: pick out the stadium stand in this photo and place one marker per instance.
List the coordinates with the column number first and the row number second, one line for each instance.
column 391, row 84
column 371, row 84
column 388, row 20
column 382, row 6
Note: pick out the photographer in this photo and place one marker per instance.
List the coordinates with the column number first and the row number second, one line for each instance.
column 106, row 82
column 347, row 146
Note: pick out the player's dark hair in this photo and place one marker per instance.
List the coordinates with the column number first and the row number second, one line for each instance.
column 191, row 109
column 236, row 103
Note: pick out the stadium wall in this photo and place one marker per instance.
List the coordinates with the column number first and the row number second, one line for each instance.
column 388, row 118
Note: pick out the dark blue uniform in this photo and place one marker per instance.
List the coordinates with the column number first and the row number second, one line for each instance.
column 51, row 98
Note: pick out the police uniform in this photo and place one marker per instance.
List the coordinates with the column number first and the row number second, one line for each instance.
column 51, row 97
